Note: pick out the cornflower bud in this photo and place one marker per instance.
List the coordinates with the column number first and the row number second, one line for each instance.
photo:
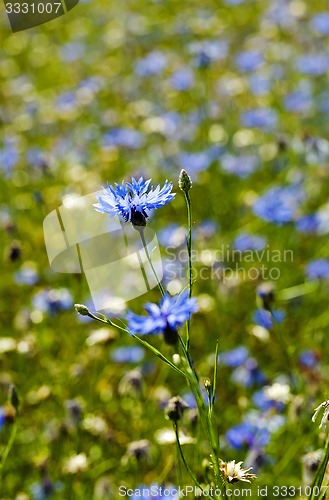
column 184, row 181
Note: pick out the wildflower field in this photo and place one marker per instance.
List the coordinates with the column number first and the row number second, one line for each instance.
column 164, row 221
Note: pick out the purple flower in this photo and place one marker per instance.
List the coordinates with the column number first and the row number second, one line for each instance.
column 308, row 224
column 9, row 155
column 234, row 2
column 66, row 101
column 208, row 51
column 182, row 79
column 262, row 401
column 72, row 51
column 318, row 269
column 27, row 275
column 235, row 357
column 173, row 236
column 299, row 101
column 189, row 398
column 259, row 85
column 264, row 118
column 124, row 137
column 263, row 318
column 313, row 64
column 279, row 204
column 155, row 492
column 320, row 23
column 133, row 354
column 195, row 162
column 2, row 417
column 248, row 374
column 247, row 434
column 206, row 229
column 245, row 241
column 152, row 64
column 164, row 318
column 242, row 165
column 249, row 60
column 52, row 301
column 308, row 359
column 133, row 201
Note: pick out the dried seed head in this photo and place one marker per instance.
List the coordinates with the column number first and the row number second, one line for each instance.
column 232, row 472
column 325, row 417
column 131, row 384
column 139, row 449
column 175, row 408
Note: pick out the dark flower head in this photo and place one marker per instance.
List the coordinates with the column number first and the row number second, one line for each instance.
column 164, row 318
column 265, row 292
column 175, row 408
column 139, row 449
column 133, row 200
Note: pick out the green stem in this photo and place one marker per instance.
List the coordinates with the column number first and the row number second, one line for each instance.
column 190, row 267
column 189, row 239
column 8, row 448
column 141, row 232
column 318, row 479
column 298, row 290
column 203, row 412
column 178, row 463
column 192, row 476
column 104, row 319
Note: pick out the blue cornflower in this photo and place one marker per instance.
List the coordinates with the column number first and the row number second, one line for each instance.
column 123, row 136
column 248, row 434
column 234, row 357
column 299, row 101
column 172, row 236
column 9, row 155
column 155, row 491
column 308, row 359
column 264, row 401
column 241, row 165
column 52, row 301
column 313, row 64
column 26, row 275
column 2, row 417
column 259, row 84
column 317, row 269
column 132, row 354
column 264, row 118
column 133, row 200
column 308, row 223
column 248, row 374
column 152, row 64
column 245, row 241
column 182, row 79
column 279, row 204
column 320, row 23
column 265, row 318
column 249, row 60
column 164, row 318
